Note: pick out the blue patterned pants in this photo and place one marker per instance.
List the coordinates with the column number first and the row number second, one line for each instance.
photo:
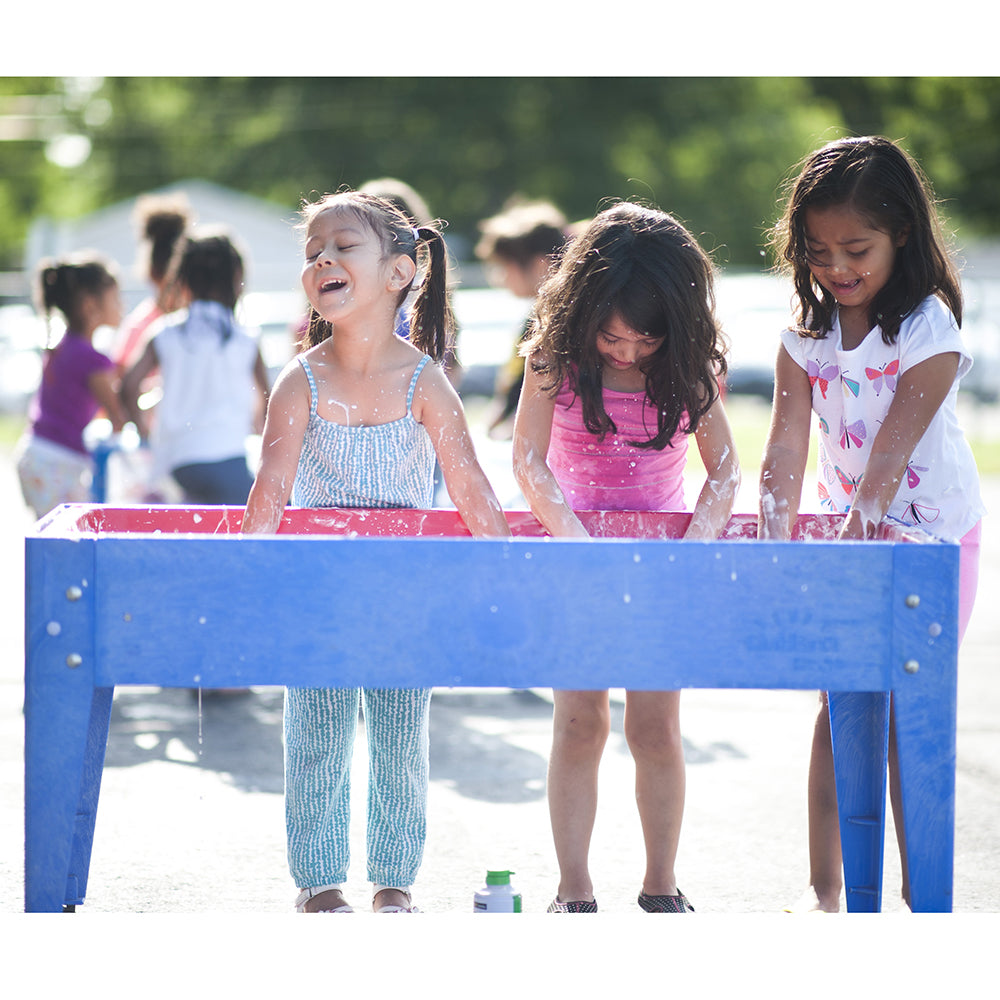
column 320, row 727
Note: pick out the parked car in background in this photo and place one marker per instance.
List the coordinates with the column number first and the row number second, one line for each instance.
column 490, row 321
column 22, row 342
column 753, row 308
column 274, row 317
column 981, row 333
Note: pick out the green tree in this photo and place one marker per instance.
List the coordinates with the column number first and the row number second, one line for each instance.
column 713, row 151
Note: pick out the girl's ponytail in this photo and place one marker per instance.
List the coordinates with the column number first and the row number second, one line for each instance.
column 62, row 285
column 432, row 322
column 54, row 292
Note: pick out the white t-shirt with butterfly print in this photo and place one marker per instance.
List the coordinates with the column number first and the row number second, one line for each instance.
column 851, row 393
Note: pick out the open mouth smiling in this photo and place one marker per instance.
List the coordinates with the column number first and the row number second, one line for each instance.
column 332, row 285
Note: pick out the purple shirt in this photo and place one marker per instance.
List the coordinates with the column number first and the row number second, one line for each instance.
column 64, row 404
column 611, row 474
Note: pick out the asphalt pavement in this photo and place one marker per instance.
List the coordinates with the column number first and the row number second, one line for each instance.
column 191, row 813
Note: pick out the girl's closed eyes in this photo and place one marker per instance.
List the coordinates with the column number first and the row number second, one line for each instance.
column 313, row 257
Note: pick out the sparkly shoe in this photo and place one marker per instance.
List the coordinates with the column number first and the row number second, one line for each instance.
column 408, row 907
column 306, row 894
column 665, row 904
column 573, row 906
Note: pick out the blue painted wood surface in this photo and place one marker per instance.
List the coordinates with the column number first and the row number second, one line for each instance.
column 175, row 597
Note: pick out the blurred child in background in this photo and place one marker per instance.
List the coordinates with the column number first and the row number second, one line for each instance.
column 53, row 463
column 519, row 247
column 210, row 369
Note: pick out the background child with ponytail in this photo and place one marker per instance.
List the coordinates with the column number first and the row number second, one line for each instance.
column 356, row 420
column 53, row 463
column 162, row 221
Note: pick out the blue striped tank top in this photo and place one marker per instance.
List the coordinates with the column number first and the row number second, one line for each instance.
column 385, row 465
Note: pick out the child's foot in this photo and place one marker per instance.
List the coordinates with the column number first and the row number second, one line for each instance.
column 665, row 904
column 393, row 901
column 572, row 906
column 325, row 899
column 812, row 901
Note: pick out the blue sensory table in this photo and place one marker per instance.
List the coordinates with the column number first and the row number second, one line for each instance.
column 176, row 597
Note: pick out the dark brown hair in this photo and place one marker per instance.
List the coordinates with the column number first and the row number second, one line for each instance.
column 64, row 283
column 162, row 220
column 432, row 324
column 211, row 267
column 877, row 179
column 643, row 265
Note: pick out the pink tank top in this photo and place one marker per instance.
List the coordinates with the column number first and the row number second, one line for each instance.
column 611, row 474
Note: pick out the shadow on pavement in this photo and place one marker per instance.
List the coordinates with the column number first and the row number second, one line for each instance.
column 239, row 736
column 474, row 738
column 470, row 749
column 236, row 735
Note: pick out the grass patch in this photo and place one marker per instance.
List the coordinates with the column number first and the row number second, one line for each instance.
column 11, row 426
column 749, row 419
column 987, row 452
column 750, row 416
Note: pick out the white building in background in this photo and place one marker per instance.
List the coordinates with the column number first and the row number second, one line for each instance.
column 264, row 231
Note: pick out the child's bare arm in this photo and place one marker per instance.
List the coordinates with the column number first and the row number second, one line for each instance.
column 102, row 388
column 717, row 448
column 284, row 427
column 786, row 450
column 919, row 395
column 438, row 407
column 532, row 432
column 131, row 384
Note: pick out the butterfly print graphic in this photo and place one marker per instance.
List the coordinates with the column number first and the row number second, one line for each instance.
column 917, row 512
column 887, row 373
column 912, row 479
column 824, row 375
column 852, row 433
column 847, row 481
column 850, row 385
column 824, row 426
column 824, row 496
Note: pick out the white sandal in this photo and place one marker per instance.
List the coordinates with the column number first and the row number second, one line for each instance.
column 393, row 908
column 306, row 894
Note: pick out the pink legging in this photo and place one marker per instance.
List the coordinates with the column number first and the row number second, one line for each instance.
column 968, row 577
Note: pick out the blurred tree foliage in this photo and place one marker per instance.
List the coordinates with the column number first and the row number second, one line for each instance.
column 713, row 151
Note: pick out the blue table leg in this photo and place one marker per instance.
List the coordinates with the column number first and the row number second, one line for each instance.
column 66, row 726
column 926, row 753
column 64, row 760
column 925, row 699
column 859, row 724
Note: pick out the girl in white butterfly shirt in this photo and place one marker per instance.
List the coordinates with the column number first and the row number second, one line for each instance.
column 877, row 354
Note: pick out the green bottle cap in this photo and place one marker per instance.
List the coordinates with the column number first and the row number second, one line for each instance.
column 498, row 878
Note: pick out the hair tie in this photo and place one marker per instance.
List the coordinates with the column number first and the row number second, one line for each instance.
column 416, row 234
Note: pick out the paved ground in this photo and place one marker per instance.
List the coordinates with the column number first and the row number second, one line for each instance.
column 191, row 817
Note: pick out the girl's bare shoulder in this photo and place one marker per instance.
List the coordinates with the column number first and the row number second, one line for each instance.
column 291, row 382
column 434, row 391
